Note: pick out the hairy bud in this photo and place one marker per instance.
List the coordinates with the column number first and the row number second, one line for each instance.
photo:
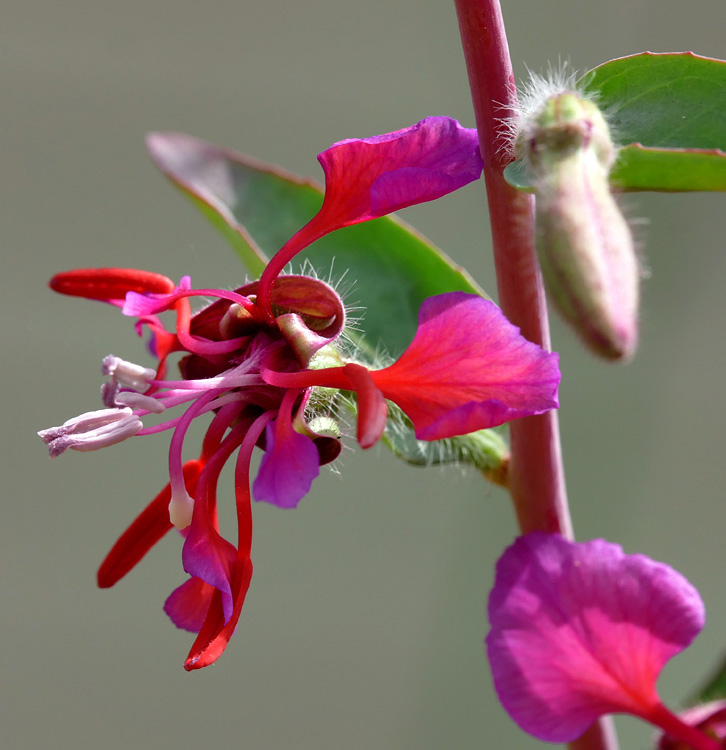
column 584, row 243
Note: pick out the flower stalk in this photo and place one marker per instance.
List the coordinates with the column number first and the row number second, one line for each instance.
column 676, row 727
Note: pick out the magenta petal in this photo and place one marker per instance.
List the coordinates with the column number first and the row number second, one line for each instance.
column 207, row 555
column 470, row 418
column 371, row 177
column 581, row 630
column 288, row 468
column 142, row 305
column 468, row 368
column 188, row 604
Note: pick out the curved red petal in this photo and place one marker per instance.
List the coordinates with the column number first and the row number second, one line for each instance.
column 215, row 634
column 366, row 178
column 372, row 409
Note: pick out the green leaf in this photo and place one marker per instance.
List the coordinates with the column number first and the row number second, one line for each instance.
column 678, row 170
column 714, row 689
column 518, row 175
column 670, row 100
column 486, row 450
column 669, row 110
column 389, row 267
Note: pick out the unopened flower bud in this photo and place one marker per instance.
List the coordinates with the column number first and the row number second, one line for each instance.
column 584, row 243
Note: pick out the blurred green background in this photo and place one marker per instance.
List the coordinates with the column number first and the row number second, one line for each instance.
column 364, row 624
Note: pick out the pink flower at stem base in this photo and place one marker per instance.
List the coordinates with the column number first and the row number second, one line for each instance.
column 583, row 630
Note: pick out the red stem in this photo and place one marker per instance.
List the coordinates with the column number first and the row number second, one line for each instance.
column 537, row 480
column 536, row 472
column 672, row 725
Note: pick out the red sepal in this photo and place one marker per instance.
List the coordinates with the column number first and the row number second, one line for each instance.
column 109, row 283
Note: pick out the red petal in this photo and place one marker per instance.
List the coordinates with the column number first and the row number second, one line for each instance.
column 372, row 409
column 468, row 368
column 109, row 283
column 214, row 635
column 148, row 528
column 370, row 177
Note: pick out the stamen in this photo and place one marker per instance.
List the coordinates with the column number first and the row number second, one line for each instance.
column 91, row 431
column 140, row 401
column 129, row 374
column 181, row 506
column 109, row 390
column 235, row 397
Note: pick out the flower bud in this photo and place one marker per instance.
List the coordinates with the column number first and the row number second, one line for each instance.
column 584, row 244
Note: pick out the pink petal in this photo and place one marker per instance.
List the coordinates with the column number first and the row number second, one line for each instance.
column 581, row 630
column 187, row 605
column 290, row 465
column 468, row 368
column 141, row 305
column 209, row 556
column 371, row 177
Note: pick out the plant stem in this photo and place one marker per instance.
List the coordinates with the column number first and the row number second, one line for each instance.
column 536, row 472
column 690, row 736
column 537, row 480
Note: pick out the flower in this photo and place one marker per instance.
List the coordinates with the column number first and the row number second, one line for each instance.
column 582, row 630
column 262, row 362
